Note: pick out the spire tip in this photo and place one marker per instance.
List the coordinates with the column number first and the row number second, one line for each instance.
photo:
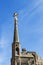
column 15, row 14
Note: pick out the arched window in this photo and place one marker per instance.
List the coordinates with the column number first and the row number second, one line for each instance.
column 17, row 51
column 33, row 62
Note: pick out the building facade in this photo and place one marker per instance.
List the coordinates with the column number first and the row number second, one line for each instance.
column 21, row 57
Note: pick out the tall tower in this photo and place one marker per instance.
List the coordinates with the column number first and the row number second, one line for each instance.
column 16, row 44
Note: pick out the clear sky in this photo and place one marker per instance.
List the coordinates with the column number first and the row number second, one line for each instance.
column 30, row 24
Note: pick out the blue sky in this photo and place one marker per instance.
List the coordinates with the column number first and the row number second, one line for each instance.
column 30, row 22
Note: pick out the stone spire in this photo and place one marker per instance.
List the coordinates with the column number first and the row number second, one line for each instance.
column 16, row 37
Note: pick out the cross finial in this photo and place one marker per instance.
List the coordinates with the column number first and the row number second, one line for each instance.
column 15, row 16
